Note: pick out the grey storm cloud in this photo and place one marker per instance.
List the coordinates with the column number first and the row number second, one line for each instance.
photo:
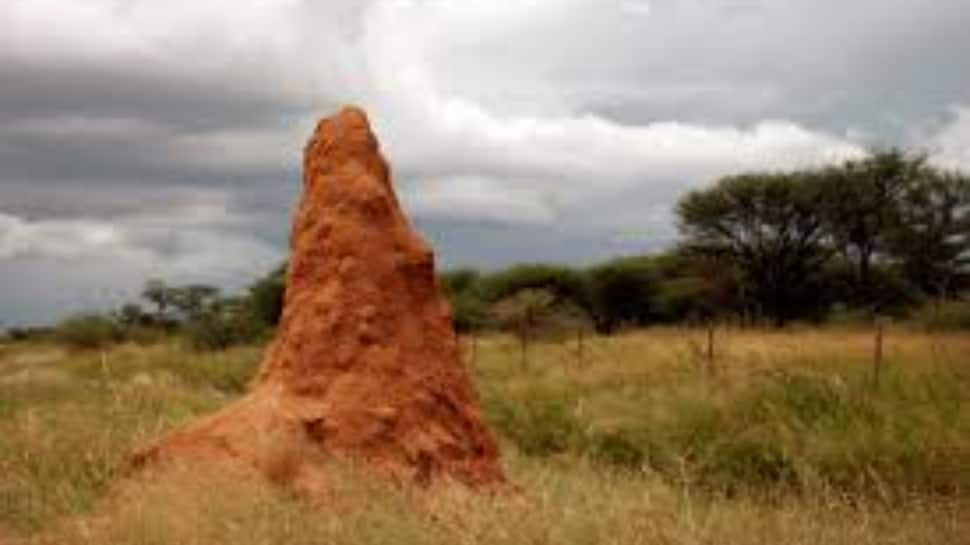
column 142, row 138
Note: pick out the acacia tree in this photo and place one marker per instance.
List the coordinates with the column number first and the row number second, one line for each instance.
column 767, row 226
column 178, row 303
column 533, row 312
column 621, row 292
column 162, row 296
column 862, row 204
column 266, row 296
column 524, row 312
column 194, row 300
column 930, row 236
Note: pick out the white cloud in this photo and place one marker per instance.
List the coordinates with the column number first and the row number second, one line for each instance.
column 563, row 114
column 460, row 155
column 952, row 143
column 62, row 239
column 528, row 168
column 52, row 29
column 635, row 7
column 400, row 59
column 197, row 241
column 74, row 127
column 254, row 47
column 241, row 150
column 482, row 198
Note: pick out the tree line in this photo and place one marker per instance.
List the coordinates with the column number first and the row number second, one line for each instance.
column 886, row 234
column 880, row 235
column 200, row 314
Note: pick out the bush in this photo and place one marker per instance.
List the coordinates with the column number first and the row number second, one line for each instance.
column 544, row 427
column 794, row 430
column 621, row 292
column 88, row 331
column 944, row 316
column 746, row 462
column 469, row 310
column 266, row 296
column 806, row 401
column 616, row 448
column 468, row 313
column 567, row 285
column 460, row 281
column 221, row 330
column 146, row 335
column 539, row 427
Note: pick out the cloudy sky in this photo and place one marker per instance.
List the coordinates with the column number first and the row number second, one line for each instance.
column 143, row 138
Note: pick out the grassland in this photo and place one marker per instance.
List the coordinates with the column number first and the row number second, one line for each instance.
column 785, row 437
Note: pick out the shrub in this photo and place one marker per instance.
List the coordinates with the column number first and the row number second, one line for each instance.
column 533, row 312
column 469, row 309
column 88, row 331
column 145, row 335
column 469, row 313
column 621, row 292
column 805, row 400
column 567, row 285
column 460, row 281
column 748, row 461
column 616, row 448
column 944, row 316
column 24, row 334
column 265, row 298
column 539, row 427
column 18, row 334
column 221, row 330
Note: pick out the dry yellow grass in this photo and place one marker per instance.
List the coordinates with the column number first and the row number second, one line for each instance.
column 575, row 504
column 67, row 421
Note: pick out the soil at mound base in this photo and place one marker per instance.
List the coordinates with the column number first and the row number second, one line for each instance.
column 365, row 363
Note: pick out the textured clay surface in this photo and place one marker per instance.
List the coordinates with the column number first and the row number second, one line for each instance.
column 365, row 365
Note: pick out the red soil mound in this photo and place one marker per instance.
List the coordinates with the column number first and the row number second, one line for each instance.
column 365, row 364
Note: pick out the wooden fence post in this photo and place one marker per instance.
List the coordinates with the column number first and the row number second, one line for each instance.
column 711, row 367
column 877, row 358
column 579, row 346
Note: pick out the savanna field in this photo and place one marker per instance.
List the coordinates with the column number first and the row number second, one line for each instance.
column 705, row 262
column 783, row 437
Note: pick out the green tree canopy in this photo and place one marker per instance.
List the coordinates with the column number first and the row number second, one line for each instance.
column 931, row 234
column 768, row 226
column 863, row 200
column 621, row 292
